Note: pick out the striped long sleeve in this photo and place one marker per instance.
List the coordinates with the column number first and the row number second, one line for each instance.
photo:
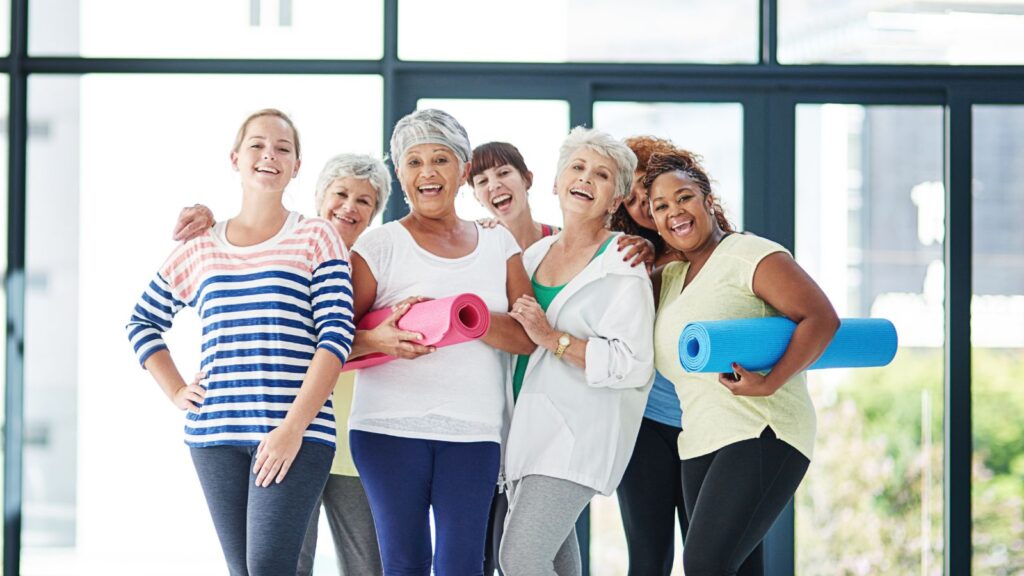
column 152, row 316
column 264, row 309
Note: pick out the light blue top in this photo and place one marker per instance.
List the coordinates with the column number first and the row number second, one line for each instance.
column 663, row 404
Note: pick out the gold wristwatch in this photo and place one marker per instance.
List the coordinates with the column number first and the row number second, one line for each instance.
column 563, row 343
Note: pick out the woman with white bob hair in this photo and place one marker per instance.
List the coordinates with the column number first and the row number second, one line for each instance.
column 580, row 396
column 350, row 191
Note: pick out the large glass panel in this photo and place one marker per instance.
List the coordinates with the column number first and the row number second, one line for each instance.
column 322, row 29
column 894, row 32
column 721, row 31
column 997, row 339
column 108, row 481
column 715, row 131
column 535, row 127
column 870, row 221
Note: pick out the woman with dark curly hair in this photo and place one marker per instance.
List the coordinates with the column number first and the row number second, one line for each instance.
column 651, row 492
column 749, row 436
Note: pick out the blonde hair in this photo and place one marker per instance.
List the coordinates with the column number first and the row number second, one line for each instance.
column 268, row 112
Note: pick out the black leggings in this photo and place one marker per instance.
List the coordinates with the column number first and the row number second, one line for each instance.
column 651, row 499
column 733, row 496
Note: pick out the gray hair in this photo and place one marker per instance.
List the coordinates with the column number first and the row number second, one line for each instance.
column 430, row 127
column 360, row 167
column 606, row 145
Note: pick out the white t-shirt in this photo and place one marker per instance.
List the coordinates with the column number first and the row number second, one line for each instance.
column 456, row 393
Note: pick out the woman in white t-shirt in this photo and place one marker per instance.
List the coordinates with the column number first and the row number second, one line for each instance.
column 426, row 433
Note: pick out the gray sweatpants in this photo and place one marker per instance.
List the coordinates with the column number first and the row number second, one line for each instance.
column 355, row 538
column 540, row 532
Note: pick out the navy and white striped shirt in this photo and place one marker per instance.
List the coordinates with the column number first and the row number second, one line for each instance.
column 265, row 310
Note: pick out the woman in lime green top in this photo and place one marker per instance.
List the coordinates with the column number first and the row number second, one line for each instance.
column 584, row 388
column 748, row 437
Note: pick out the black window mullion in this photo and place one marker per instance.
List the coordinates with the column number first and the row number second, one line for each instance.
column 958, row 445
column 15, row 288
column 394, row 109
column 769, row 46
column 769, row 207
column 581, row 105
column 769, row 210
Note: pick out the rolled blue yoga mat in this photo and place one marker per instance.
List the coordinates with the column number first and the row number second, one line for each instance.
column 758, row 343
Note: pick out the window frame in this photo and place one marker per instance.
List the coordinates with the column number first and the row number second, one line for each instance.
column 769, row 93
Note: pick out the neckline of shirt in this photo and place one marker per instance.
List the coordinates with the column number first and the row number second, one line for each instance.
column 427, row 253
column 220, row 234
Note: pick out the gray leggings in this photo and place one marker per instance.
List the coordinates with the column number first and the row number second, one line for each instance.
column 540, row 533
column 261, row 529
column 355, row 538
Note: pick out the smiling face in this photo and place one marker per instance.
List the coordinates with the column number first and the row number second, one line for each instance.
column 266, row 155
column 430, row 177
column 349, row 204
column 682, row 212
column 502, row 191
column 637, row 203
column 586, row 186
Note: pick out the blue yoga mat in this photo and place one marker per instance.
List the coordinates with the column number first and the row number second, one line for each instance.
column 758, row 343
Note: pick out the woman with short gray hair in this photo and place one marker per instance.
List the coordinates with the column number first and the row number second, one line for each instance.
column 359, row 167
column 350, row 191
column 426, row 432
column 580, row 395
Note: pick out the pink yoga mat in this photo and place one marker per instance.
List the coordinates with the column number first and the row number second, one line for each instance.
column 442, row 322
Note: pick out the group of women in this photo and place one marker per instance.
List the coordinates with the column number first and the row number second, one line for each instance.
column 557, row 402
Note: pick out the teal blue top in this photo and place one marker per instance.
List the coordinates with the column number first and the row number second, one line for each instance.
column 544, row 295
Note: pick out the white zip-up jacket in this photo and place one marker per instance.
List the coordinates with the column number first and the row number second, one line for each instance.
column 581, row 425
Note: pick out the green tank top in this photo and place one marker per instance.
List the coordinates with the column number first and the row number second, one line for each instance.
column 544, row 295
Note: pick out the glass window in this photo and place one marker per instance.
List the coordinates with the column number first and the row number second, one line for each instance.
column 869, row 229
column 321, row 29
column 872, row 32
column 713, row 130
column 997, row 339
column 113, row 160
column 535, row 127
column 722, row 31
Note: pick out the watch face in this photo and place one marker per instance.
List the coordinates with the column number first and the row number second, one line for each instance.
column 563, row 340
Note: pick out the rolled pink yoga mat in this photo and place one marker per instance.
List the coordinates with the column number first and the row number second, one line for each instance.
column 442, row 322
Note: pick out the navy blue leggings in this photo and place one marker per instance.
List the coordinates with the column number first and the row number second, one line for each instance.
column 405, row 477
column 261, row 529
